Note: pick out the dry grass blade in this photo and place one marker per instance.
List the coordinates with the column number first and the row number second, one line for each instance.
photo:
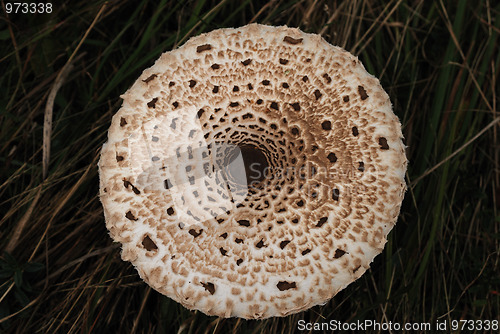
column 201, row 20
column 458, row 150
column 18, row 58
column 49, row 108
column 335, row 14
column 138, row 317
column 11, row 285
column 377, row 25
column 59, row 208
column 464, row 291
column 22, row 223
column 33, row 302
column 439, row 62
column 464, row 58
column 81, row 259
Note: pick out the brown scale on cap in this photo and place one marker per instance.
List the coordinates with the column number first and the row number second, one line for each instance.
column 320, row 187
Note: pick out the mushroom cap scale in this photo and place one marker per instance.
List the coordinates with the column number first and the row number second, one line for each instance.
column 302, row 120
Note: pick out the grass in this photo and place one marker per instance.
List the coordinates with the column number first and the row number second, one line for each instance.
column 438, row 60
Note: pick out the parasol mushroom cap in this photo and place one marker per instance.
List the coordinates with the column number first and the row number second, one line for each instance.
column 253, row 172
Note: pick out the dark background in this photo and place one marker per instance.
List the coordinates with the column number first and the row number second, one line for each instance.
column 60, row 271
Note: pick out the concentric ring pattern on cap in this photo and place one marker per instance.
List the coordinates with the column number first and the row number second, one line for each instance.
column 328, row 195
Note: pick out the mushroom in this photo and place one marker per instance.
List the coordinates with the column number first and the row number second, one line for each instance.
column 253, row 172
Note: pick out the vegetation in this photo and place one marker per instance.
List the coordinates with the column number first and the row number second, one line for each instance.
column 60, row 272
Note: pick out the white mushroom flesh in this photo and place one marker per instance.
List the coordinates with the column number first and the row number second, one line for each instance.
column 329, row 177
